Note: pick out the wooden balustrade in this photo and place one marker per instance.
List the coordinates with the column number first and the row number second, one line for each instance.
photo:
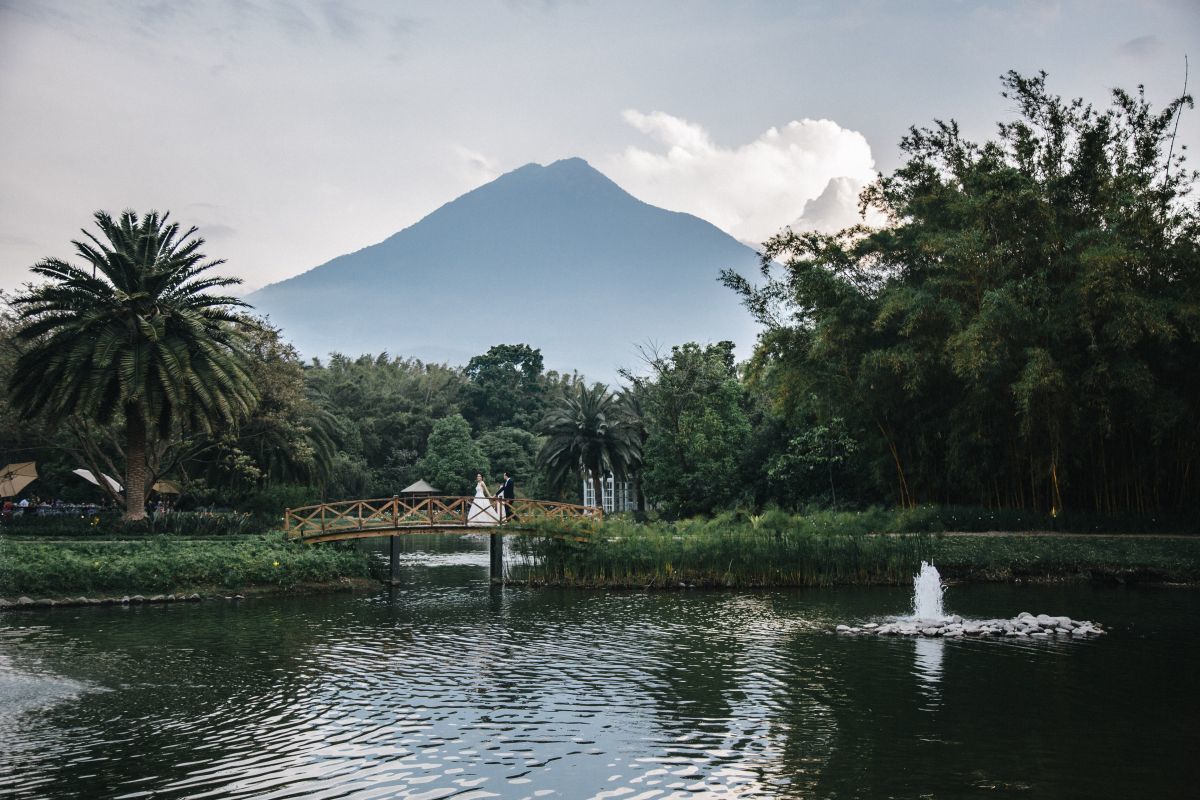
column 356, row 519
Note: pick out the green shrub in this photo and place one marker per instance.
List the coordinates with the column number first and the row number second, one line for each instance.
column 163, row 564
column 108, row 525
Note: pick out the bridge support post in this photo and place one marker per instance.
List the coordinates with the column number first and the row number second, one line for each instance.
column 496, row 549
column 395, row 561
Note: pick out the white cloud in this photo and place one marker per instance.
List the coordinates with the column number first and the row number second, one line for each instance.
column 476, row 167
column 807, row 174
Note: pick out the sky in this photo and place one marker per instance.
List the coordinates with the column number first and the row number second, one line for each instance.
column 293, row 132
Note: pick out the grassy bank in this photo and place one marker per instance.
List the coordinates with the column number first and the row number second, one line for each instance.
column 1046, row 556
column 169, row 564
column 828, row 549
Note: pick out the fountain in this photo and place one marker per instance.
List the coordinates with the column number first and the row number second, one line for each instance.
column 929, row 618
column 927, row 594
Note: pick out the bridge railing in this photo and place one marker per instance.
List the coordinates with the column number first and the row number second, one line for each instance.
column 357, row 518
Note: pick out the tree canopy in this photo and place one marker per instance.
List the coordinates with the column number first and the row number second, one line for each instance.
column 1026, row 330
column 453, row 457
column 139, row 338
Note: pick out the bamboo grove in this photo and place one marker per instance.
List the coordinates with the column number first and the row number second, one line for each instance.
column 1026, row 332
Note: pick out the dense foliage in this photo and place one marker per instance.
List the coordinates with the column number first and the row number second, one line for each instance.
column 138, row 341
column 588, row 436
column 453, row 457
column 693, row 410
column 1026, row 331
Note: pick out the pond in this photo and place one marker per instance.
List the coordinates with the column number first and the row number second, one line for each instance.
column 448, row 687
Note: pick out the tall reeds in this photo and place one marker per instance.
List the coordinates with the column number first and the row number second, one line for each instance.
column 738, row 549
column 771, row 550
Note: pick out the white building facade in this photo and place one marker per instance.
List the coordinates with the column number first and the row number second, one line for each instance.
column 618, row 495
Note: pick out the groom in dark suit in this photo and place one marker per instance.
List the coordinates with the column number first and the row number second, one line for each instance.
column 506, row 492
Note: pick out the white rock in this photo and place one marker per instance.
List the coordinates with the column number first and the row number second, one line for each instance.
column 871, row 625
column 843, row 628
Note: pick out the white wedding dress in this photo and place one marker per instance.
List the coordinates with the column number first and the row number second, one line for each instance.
column 484, row 510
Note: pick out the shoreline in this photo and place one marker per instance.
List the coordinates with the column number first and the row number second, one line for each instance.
column 45, row 574
column 211, row 594
column 188, row 595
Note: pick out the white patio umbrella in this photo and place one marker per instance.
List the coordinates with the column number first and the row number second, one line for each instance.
column 87, row 475
column 15, row 477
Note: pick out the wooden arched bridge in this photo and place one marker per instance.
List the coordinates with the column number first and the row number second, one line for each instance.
column 396, row 516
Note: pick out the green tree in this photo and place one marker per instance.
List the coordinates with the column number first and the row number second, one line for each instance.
column 505, row 388
column 1025, row 331
column 587, row 435
column 514, row 451
column 381, row 411
column 288, row 438
column 137, row 340
column 696, row 427
column 632, row 407
column 453, row 457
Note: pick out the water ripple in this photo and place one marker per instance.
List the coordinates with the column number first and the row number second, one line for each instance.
column 448, row 688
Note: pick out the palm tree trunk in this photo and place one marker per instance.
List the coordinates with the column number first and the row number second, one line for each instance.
column 598, row 488
column 135, row 464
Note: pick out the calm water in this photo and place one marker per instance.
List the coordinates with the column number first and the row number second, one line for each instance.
column 448, row 688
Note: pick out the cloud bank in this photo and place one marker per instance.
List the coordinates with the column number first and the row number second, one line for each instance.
column 806, row 174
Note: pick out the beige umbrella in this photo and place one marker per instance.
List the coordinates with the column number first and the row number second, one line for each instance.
column 15, row 477
column 166, row 487
column 87, row 475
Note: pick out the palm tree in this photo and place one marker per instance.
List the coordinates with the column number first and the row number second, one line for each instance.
column 136, row 339
column 587, row 433
column 632, row 404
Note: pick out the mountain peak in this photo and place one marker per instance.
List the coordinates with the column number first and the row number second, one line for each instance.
column 574, row 173
column 572, row 163
column 557, row 256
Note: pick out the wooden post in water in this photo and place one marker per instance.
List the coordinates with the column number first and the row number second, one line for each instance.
column 496, row 547
column 395, row 579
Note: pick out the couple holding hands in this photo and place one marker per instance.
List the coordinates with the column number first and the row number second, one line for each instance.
column 487, row 509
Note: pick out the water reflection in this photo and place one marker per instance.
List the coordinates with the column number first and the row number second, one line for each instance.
column 452, row 687
column 928, row 659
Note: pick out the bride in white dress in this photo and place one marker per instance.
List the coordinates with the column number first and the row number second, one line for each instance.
column 483, row 510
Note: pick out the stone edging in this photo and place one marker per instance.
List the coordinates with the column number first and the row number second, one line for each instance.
column 26, row 603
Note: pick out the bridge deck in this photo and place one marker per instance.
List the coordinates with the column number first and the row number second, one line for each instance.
column 359, row 519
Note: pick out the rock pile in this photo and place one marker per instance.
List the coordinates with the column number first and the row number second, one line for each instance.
column 1024, row 625
column 22, row 603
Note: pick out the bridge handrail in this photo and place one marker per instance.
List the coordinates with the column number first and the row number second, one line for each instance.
column 425, row 512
